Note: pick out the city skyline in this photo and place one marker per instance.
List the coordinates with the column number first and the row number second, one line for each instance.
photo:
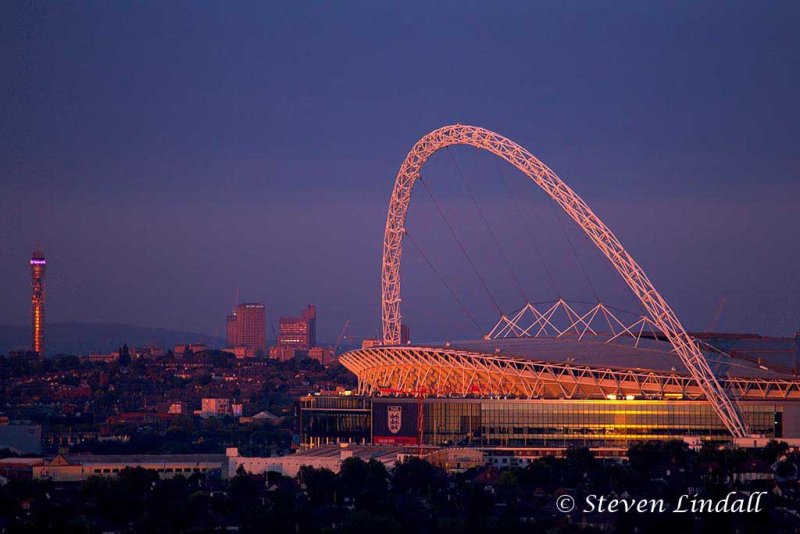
column 125, row 220
column 400, row 267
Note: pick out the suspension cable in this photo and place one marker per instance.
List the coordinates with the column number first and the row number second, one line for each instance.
column 461, row 246
column 529, row 231
column 628, row 291
column 443, row 281
column 574, row 252
column 488, row 227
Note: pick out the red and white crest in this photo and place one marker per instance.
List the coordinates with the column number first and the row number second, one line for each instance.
column 394, row 417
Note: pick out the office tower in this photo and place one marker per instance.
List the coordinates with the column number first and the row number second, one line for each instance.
column 230, row 330
column 251, row 327
column 310, row 315
column 299, row 332
column 38, row 265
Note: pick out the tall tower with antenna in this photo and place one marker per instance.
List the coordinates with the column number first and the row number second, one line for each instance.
column 38, row 265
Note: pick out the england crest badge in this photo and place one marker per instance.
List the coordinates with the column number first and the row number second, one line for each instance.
column 394, row 415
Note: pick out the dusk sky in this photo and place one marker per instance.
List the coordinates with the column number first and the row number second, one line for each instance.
column 165, row 154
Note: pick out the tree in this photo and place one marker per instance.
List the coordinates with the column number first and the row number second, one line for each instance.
column 581, row 460
column 786, row 470
column 507, row 485
column 369, row 523
column 364, row 482
column 353, row 476
column 121, row 500
column 65, row 362
column 321, row 484
column 648, row 457
column 774, row 450
column 244, row 491
column 418, row 476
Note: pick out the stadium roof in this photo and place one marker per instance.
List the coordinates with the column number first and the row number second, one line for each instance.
column 651, row 354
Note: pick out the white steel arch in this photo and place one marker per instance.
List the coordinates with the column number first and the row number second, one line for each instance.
column 633, row 275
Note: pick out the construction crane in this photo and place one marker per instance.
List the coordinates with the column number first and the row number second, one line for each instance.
column 341, row 337
column 717, row 315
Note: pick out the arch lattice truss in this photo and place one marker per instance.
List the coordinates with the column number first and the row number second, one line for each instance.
column 633, row 275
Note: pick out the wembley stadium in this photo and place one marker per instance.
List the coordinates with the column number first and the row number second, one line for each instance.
column 562, row 391
column 555, row 374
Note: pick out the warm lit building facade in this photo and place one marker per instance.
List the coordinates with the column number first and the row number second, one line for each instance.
column 38, row 265
column 526, row 423
column 323, row 355
column 230, row 330
column 531, row 395
column 181, row 351
column 330, row 457
column 213, row 407
column 299, row 332
column 251, row 327
column 282, row 353
column 79, row 467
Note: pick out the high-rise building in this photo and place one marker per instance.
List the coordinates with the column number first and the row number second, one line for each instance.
column 310, row 315
column 299, row 332
column 251, row 327
column 230, row 329
column 38, row 265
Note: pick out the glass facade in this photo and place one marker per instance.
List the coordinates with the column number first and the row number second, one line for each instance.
column 535, row 423
column 598, row 423
column 333, row 419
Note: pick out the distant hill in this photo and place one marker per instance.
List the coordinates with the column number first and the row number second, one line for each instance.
column 82, row 338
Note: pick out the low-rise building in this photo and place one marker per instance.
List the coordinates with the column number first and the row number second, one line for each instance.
column 216, row 407
column 180, row 350
column 242, row 352
column 147, row 352
column 261, row 417
column 326, row 456
column 110, row 357
column 79, row 467
column 18, row 468
column 283, row 352
column 323, row 355
column 457, row 460
column 178, row 408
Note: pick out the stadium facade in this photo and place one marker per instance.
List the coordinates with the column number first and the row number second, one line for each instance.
column 553, row 393
column 534, row 384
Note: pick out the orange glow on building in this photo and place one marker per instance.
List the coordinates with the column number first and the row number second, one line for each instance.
column 38, row 265
column 299, row 332
column 251, row 327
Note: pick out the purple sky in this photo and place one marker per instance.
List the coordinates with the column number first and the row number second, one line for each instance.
column 165, row 154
